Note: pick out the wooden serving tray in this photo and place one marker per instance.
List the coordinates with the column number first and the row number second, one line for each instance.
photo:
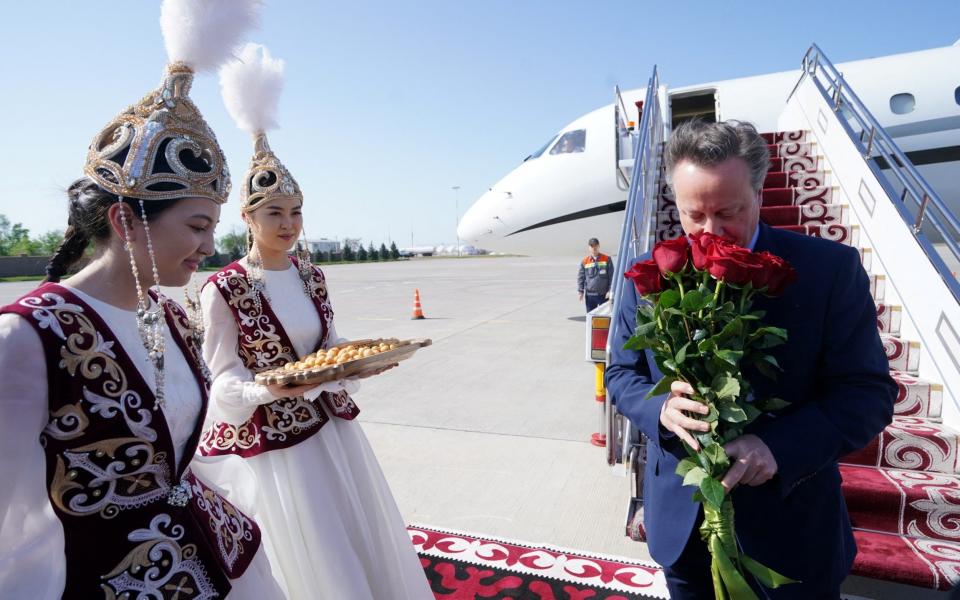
column 357, row 366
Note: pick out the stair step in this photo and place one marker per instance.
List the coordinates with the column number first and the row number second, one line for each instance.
column 878, row 286
column 800, row 179
column 778, row 216
column 888, row 318
column 916, row 397
column 795, row 163
column 779, row 137
column 795, row 196
column 903, row 355
column 866, row 258
column 913, row 503
column 810, row 214
column 910, row 443
column 790, row 149
column 848, row 235
column 921, row 562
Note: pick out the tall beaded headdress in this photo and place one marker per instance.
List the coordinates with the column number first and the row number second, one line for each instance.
column 251, row 89
column 161, row 148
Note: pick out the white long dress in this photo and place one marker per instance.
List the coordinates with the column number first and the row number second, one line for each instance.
column 32, row 559
column 329, row 521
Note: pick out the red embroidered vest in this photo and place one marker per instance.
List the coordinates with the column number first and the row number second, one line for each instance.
column 264, row 344
column 135, row 524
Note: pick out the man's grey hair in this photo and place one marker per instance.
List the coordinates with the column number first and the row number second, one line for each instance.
column 706, row 144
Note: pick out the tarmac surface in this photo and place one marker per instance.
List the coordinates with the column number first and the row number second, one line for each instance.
column 487, row 430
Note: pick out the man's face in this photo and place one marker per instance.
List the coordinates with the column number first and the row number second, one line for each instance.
column 717, row 199
column 594, row 251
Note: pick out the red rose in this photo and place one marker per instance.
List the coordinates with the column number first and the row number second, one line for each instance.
column 700, row 244
column 646, row 277
column 671, row 255
column 731, row 263
column 779, row 273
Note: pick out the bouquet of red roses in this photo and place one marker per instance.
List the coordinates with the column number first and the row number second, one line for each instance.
column 699, row 325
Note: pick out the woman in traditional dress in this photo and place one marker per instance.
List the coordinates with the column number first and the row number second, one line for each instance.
column 330, row 522
column 104, row 389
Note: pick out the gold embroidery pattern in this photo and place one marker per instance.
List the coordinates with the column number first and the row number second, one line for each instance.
column 110, row 475
column 159, row 567
column 261, row 348
column 231, row 527
column 260, row 343
column 224, row 437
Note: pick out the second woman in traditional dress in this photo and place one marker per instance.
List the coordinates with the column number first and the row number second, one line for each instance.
column 330, row 522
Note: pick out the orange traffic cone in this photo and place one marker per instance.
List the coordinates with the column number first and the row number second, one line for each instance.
column 417, row 311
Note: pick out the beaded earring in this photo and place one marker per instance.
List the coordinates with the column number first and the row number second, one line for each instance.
column 258, row 286
column 149, row 316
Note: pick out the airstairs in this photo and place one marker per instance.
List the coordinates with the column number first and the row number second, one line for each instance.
column 825, row 180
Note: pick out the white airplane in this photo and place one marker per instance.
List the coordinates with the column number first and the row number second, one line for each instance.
column 567, row 191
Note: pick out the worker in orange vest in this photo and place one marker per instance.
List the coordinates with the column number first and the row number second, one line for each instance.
column 596, row 273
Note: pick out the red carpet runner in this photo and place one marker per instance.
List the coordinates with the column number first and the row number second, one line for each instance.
column 461, row 566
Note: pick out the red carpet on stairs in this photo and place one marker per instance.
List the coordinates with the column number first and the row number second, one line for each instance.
column 465, row 567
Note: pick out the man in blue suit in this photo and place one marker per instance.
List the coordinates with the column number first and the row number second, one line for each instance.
column 784, row 478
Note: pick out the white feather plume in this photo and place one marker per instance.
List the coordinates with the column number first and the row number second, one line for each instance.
column 205, row 33
column 251, row 87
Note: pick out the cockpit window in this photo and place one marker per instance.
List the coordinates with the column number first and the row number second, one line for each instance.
column 541, row 150
column 570, row 142
column 956, row 95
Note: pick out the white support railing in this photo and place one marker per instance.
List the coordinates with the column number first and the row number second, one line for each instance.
column 893, row 223
column 918, row 204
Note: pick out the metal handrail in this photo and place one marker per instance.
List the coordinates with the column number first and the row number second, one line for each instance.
column 635, row 237
column 930, row 207
column 620, row 129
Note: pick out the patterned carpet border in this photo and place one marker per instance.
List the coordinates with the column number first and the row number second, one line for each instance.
column 636, row 579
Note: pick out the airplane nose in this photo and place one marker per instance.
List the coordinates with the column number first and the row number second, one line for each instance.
column 480, row 220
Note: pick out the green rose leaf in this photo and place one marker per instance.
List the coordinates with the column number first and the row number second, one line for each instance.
column 638, row 342
column 706, row 346
column 716, row 454
column 695, row 476
column 726, row 387
column 662, row 387
column 685, row 465
column 682, row 354
column 692, row 301
column 712, row 491
column 700, row 335
column 733, row 414
column 669, row 298
column 645, row 329
column 731, row 357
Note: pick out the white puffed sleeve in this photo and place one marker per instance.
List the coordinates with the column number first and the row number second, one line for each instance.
column 233, row 395
column 333, row 338
column 32, row 559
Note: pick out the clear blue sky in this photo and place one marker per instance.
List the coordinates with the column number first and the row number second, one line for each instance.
column 388, row 104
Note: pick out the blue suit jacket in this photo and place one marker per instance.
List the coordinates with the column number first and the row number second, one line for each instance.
column 836, row 377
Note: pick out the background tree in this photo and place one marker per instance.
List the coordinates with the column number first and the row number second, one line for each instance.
column 362, row 254
column 372, row 252
column 233, row 243
column 348, row 254
column 394, row 251
column 49, row 242
column 352, row 243
column 384, row 253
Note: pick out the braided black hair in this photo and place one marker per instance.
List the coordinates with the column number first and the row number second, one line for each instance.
column 89, row 222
